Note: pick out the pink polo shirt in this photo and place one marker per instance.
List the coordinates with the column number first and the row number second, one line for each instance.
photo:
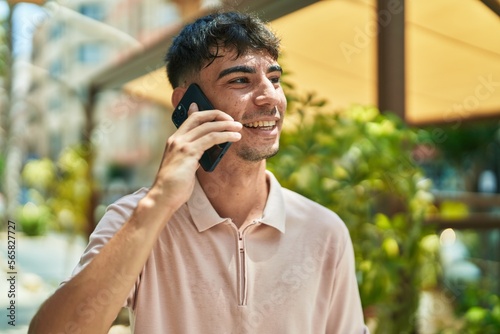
column 290, row 272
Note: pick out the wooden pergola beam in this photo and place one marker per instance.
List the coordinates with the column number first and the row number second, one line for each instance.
column 390, row 17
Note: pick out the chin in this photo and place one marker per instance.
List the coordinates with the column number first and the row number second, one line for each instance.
column 254, row 155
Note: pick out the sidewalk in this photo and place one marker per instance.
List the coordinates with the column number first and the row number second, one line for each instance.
column 41, row 263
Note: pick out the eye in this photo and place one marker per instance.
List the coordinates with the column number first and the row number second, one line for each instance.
column 275, row 79
column 239, row 80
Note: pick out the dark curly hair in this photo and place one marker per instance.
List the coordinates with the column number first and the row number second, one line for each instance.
column 198, row 43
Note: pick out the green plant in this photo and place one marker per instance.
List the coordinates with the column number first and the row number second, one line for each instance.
column 480, row 310
column 2, row 167
column 58, row 194
column 463, row 149
column 358, row 163
column 458, row 143
column 3, row 47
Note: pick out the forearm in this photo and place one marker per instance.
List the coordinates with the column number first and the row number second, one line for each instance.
column 90, row 301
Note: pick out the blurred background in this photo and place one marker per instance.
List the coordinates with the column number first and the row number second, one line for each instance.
column 393, row 122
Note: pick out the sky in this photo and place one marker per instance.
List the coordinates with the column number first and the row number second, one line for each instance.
column 25, row 19
column 3, row 9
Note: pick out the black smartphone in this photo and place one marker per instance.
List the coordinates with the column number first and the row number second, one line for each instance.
column 213, row 155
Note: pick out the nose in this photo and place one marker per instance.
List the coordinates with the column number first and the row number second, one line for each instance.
column 267, row 93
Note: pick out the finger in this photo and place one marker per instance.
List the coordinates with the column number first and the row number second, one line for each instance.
column 214, row 138
column 221, row 120
column 193, row 107
column 180, row 150
column 213, row 114
column 210, row 127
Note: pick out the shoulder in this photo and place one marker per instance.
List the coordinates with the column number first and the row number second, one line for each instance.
column 301, row 206
column 113, row 219
column 126, row 204
column 305, row 213
column 117, row 214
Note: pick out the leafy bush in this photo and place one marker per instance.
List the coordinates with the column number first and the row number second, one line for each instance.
column 358, row 163
column 58, row 194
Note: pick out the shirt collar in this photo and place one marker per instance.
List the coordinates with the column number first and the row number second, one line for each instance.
column 205, row 216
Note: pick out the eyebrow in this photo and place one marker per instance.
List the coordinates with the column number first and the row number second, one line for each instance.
column 247, row 69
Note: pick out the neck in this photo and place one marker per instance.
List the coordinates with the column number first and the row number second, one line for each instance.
column 237, row 192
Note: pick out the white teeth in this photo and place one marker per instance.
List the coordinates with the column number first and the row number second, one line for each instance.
column 260, row 124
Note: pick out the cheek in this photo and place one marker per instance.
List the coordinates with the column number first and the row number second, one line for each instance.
column 235, row 106
column 282, row 106
column 281, row 97
column 229, row 107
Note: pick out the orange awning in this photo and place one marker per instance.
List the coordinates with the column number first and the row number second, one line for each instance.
column 14, row 2
column 452, row 58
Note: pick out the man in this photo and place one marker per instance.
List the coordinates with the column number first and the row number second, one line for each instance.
column 228, row 251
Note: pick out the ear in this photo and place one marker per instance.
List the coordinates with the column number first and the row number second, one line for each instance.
column 177, row 95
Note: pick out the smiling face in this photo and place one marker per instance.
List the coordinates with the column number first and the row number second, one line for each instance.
column 248, row 89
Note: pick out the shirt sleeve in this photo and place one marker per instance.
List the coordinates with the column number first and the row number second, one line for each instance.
column 346, row 313
column 115, row 217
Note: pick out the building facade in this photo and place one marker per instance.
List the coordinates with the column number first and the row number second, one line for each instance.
column 75, row 41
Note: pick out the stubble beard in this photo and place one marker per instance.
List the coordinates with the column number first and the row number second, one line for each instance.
column 251, row 154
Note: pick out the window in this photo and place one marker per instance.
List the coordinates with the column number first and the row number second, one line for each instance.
column 56, row 31
column 54, row 103
column 56, row 68
column 90, row 53
column 92, row 10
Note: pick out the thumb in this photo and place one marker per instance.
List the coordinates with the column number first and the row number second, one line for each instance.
column 193, row 107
